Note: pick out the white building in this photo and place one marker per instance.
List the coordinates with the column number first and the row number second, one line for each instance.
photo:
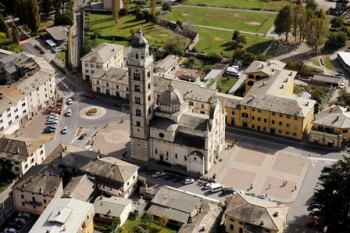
column 23, row 153
column 171, row 129
column 13, row 109
column 114, row 82
column 103, row 56
column 31, row 88
column 109, row 208
column 39, row 87
column 66, row 215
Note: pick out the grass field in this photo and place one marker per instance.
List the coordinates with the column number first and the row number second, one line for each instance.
column 104, row 25
column 224, row 84
column 212, row 40
column 328, row 63
column 244, row 4
column 257, row 22
column 130, row 225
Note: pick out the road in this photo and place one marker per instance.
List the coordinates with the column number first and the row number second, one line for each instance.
column 77, row 32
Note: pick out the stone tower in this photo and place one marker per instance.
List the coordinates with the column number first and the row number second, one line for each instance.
column 141, row 96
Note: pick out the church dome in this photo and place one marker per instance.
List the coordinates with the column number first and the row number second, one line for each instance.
column 170, row 97
column 139, row 41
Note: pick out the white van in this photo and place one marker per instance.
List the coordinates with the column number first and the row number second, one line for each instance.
column 233, row 70
column 215, row 187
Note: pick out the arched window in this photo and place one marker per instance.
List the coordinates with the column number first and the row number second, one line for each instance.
column 137, row 56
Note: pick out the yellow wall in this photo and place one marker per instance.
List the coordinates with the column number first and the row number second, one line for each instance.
column 262, row 120
column 236, row 224
column 253, row 77
column 90, row 227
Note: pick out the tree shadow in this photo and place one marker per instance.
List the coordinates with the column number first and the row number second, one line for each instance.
column 258, row 48
column 285, row 48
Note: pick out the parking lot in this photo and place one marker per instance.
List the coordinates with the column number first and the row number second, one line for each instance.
column 19, row 222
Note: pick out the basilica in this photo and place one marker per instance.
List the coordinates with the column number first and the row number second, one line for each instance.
column 174, row 121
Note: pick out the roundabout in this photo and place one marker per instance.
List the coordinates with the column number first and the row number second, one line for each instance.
column 92, row 112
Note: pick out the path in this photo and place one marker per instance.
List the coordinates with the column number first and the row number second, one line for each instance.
column 225, row 29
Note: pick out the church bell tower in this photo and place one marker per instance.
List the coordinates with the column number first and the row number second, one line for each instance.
column 141, row 96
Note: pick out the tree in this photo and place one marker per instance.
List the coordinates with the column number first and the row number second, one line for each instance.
column 214, row 57
column 189, row 62
column 337, row 22
column 311, row 7
column 86, row 48
column 46, row 6
column 172, row 47
column 153, row 8
column 235, row 34
column 336, row 40
column 14, row 33
column 4, row 28
column 316, row 33
column 115, row 224
column 163, row 221
column 301, row 22
column 115, row 10
column 166, row 6
column 33, row 19
column 283, row 21
column 126, row 6
column 334, row 196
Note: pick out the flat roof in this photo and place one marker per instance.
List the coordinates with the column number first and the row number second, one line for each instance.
column 62, row 215
column 345, row 56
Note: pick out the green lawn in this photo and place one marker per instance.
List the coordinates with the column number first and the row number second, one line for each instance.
column 328, row 63
column 104, row 25
column 246, row 4
column 129, row 226
column 224, row 84
column 61, row 55
column 257, row 22
column 212, row 40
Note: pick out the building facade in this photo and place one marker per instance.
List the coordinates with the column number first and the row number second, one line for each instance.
column 66, row 215
column 264, row 216
column 113, row 82
column 23, row 153
column 165, row 127
column 103, row 57
column 331, row 127
column 34, row 193
column 269, row 104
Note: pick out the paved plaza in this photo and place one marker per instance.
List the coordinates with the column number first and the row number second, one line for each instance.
column 250, row 168
column 113, row 139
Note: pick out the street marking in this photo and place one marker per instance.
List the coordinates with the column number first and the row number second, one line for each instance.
column 323, row 159
column 45, row 137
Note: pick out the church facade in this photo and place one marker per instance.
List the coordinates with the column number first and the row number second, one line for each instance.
column 165, row 123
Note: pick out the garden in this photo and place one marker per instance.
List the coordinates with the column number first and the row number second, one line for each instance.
column 224, row 84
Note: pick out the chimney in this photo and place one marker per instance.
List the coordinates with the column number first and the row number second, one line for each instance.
column 290, row 74
column 286, row 80
column 18, row 150
column 307, row 103
column 282, row 86
column 261, row 222
column 275, row 214
column 264, row 83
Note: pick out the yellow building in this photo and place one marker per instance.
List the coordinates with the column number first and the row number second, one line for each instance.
column 331, row 127
column 246, row 214
column 269, row 104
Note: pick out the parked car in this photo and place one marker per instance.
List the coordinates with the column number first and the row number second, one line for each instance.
column 188, row 181
column 313, row 206
column 82, row 136
column 64, row 130
column 207, row 185
column 69, row 112
column 69, row 101
column 215, row 187
column 10, row 230
column 22, row 221
column 327, row 168
column 14, row 225
column 52, row 121
column 51, row 127
column 158, row 174
column 177, row 179
column 228, row 191
column 48, row 130
column 316, row 211
column 25, row 215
